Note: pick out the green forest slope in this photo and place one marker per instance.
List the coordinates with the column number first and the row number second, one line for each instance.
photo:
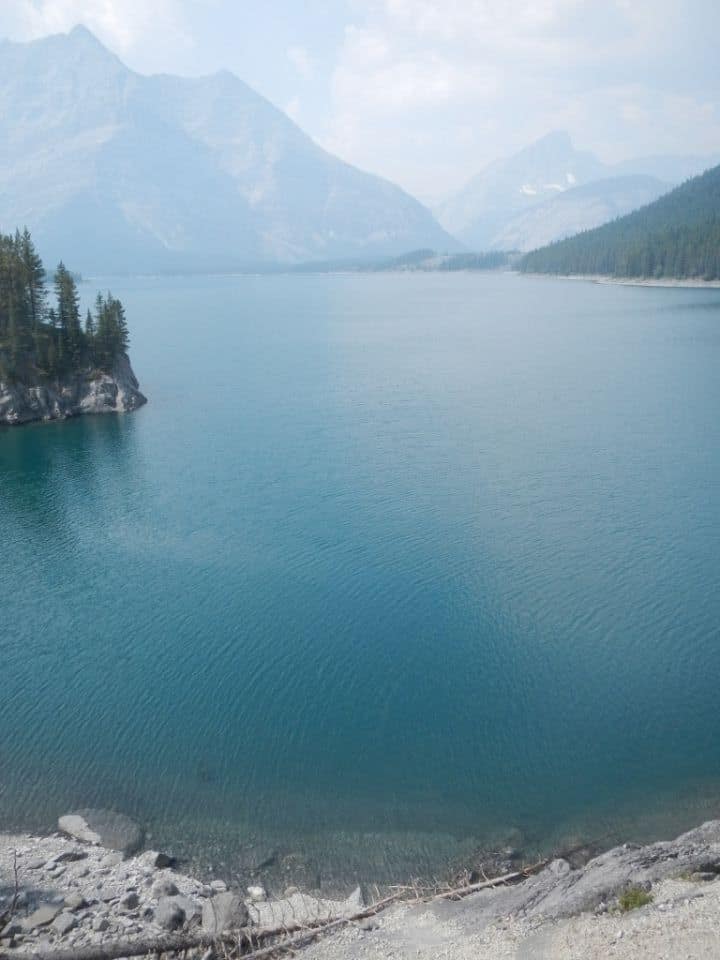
column 676, row 236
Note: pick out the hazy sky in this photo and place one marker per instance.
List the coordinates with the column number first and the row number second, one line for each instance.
column 426, row 92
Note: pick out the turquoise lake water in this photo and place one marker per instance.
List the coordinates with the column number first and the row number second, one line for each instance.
column 390, row 568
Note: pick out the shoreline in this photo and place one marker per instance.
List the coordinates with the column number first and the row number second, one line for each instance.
column 690, row 284
column 89, row 885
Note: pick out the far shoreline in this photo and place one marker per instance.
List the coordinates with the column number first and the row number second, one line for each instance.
column 688, row 284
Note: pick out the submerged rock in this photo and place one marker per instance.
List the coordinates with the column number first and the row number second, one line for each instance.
column 104, row 828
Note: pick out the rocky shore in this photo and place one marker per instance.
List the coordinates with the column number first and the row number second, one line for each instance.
column 89, row 886
column 91, row 391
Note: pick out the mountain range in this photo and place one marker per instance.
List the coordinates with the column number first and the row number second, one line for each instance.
column 120, row 172
column 125, row 172
column 550, row 190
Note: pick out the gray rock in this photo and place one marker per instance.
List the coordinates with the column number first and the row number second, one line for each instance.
column 100, row 924
column 219, row 886
column 10, row 929
column 164, row 888
column 169, row 914
column 559, row 892
column 703, row 876
column 224, row 911
column 131, row 901
column 75, row 901
column 162, row 861
column 35, row 864
column 190, row 907
column 41, row 917
column 70, row 856
column 63, row 924
column 104, row 828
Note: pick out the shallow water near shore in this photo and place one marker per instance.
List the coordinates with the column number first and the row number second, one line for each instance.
column 389, row 569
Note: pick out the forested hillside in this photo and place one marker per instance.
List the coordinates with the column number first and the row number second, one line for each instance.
column 40, row 340
column 676, row 236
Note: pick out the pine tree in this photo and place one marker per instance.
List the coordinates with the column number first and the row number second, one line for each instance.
column 34, row 276
column 69, row 316
column 35, row 340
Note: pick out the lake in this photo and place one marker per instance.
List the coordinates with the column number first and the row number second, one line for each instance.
column 390, row 568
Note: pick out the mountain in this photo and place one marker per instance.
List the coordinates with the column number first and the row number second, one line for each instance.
column 675, row 236
column 576, row 209
column 532, row 197
column 123, row 172
column 483, row 208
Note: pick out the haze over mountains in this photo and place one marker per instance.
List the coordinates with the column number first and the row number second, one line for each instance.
column 550, row 190
column 117, row 171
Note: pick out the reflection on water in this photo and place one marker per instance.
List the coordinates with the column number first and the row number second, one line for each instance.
column 46, row 469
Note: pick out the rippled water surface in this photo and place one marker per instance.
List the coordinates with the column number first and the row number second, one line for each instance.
column 389, row 568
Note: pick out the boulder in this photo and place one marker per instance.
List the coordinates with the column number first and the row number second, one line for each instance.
column 164, row 887
column 105, row 828
column 70, row 856
column 224, row 911
column 163, row 860
column 131, row 901
column 169, row 914
column 41, row 917
column 63, row 923
column 75, row 901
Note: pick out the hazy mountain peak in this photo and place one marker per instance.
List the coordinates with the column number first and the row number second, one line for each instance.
column 81, row 34
column 543, row 169
column 167, row 172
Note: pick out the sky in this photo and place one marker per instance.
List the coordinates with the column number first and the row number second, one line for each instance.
column 428, row 92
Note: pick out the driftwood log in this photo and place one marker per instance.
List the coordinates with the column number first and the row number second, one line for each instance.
column 249, row 941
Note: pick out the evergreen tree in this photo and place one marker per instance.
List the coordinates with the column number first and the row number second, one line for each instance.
column 34, row 280
column 37, row 341
column 69, row 316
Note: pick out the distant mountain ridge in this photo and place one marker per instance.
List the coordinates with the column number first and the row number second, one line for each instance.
column 676, row 236
column 577, row 209
column 123, row 172
column 550, row 190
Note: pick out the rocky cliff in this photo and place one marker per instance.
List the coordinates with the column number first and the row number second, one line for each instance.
column 91, row 391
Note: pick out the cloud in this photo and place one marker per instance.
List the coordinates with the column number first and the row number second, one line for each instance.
column 471, row 80
column 301, row 60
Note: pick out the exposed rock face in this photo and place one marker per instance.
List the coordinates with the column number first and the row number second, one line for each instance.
column 87, row 392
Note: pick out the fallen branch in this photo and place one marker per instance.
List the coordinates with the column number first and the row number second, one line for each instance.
column 305, row 933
